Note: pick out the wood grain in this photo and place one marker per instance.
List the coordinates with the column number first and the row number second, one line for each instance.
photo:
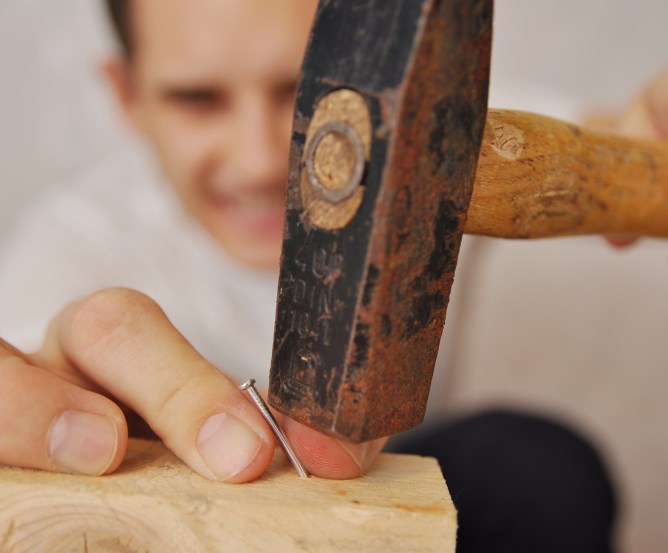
column 156, row 504
column 539, row 177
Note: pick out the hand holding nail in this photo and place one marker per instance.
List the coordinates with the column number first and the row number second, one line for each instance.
column 114, row 357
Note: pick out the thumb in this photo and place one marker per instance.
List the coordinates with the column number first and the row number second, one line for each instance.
column 647, row 116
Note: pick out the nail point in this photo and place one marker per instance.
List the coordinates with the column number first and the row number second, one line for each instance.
column 273, row 423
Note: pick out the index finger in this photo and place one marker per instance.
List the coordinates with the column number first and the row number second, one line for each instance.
column 329, row 457
column 122, row 341
column 326, row 456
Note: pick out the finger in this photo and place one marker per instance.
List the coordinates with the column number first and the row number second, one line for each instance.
column 621, row 241
column 657, row 101
column 329, row 457
column 51, row 357
column 323, row 455
column 8, row 350
column 647, row 116
column 123, row 341
column 48, row 423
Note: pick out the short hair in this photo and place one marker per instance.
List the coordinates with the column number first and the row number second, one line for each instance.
column 119, row 13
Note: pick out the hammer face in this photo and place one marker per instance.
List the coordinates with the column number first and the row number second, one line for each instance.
column 367, row 266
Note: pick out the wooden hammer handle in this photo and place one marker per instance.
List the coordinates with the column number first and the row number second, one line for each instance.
column 539, row 177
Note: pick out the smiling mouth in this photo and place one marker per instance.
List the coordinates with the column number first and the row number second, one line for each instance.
column 254, row 212
column 250, row 200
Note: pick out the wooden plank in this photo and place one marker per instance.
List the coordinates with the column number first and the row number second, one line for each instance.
column 154, row 503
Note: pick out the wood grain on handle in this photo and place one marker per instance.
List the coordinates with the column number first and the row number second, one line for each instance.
column 540, row 177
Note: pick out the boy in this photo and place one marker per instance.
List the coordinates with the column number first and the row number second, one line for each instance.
column 220, row 124
column 210, row 85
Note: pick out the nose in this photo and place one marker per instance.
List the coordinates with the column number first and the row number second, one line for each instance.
column 260, row 142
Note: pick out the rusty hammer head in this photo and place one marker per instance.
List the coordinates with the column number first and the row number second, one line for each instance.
column 388, row 126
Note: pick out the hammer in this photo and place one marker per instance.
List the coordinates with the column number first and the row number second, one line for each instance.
column 390, row 127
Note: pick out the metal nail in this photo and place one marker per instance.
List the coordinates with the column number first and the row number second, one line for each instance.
column 269, row 417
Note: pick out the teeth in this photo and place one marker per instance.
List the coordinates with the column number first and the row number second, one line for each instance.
column 259, row 202
column 255, row 202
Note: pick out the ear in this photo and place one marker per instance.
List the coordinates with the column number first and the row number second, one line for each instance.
column 117, row 73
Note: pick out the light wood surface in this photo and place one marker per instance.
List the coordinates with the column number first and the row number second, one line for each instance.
column 156, row 504
column 540, row 177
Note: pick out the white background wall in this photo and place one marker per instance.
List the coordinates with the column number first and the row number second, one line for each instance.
column 55, row 114
column 555, row 56
column 586, row 52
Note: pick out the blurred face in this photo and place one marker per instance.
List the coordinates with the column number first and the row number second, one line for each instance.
column 211, row 84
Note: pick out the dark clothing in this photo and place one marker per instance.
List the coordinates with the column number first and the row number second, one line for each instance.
column 520, row 484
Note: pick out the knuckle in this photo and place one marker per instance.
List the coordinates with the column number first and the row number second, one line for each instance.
column 175, row 394
column 104, row 315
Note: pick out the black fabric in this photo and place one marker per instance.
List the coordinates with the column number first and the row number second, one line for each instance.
column 520, row 483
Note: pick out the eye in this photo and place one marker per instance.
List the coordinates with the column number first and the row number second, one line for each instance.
column 284, row 93
column 198, row 99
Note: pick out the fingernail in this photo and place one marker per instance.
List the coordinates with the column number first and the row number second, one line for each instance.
column 227, row 445
column 83, row 443
column 358, row 452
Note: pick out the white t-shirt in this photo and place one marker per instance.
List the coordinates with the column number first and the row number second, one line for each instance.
column 121, row 225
